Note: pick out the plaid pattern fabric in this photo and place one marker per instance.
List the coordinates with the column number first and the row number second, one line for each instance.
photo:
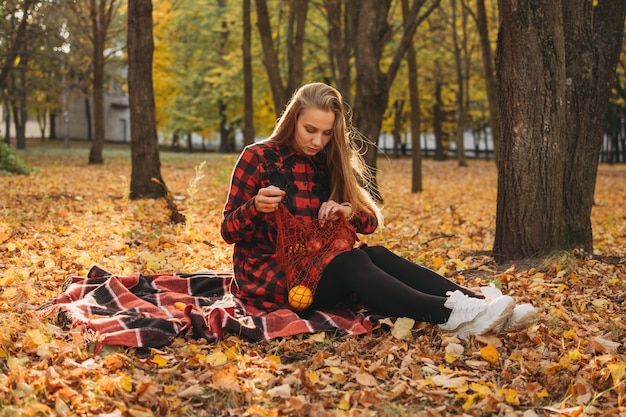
column 151, row 310
column 260, row 279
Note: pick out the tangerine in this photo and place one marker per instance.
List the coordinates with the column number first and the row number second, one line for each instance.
column 300, row 297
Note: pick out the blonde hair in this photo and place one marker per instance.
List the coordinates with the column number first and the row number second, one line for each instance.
column 345, row 164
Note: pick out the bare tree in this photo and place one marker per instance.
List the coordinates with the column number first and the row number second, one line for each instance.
column 372, row 83
column 281, row 91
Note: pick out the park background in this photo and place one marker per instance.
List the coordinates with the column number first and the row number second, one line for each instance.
column 73, row 210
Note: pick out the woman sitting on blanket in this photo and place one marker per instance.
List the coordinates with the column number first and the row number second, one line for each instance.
column 309, row 165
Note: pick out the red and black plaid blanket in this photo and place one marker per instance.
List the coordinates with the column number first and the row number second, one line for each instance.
column 151, row 310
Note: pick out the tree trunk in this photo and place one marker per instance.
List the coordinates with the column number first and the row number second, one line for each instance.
column 398, row 108
column 593, row 37
column 7, row 122
column 20, row 114
column 101, row 15
column 490, row 79
column 461, row 109
column 414, row 112
column 53, row 125
column 438, row 118
column 340, row 38
column 146, row 180
column 531, row 72
column 248, row 99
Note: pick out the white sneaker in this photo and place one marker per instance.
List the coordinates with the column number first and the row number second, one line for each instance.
column 522, row 317
column 475, row 316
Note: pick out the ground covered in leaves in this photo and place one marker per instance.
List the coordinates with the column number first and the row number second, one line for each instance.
column 67, row 216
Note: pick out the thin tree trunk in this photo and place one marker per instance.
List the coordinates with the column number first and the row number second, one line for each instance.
column 146, row 180
column 416, row 119
column 490, row 79
column 101, row 15
column 460, row 93
column 248, row 99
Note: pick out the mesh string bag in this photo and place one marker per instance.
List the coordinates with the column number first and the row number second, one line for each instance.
column 305, row 248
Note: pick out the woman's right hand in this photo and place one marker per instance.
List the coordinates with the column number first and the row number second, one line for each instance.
column 268, row 198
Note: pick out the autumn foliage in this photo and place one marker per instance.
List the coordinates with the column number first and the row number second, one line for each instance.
column 67, row 216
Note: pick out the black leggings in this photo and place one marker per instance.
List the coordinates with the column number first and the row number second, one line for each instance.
column 386, row 284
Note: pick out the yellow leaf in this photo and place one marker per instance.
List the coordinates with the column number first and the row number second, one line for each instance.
column 126, row 383
column 468, row 402
column 480, row 389
column 344, row 402
column 36, row 336
column 314, row 378
column 618, row 370
column 160, row 360
column 490, row 354
column 575, row 355
column 217, row 358
column 401, row 329
column 510, row 396
column 570, row 334
column 274, row 358
column 168, row 389
column 437, row 262
column 450, row 357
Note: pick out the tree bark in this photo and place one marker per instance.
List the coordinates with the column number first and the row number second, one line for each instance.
column 531, row 71
column 555, row 64
column 593, row 37
column 146, row 180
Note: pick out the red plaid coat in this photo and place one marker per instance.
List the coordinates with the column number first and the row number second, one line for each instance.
column 261, row 281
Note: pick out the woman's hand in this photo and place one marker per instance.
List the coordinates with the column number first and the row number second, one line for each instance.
column 267, row 199
column 331, row 209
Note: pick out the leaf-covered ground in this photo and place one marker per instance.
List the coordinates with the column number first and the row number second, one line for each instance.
column 67, row 216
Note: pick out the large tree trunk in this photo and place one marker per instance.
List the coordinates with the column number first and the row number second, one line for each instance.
column 593, row 37
column 531, row 72
column 146, row 180
column 248, row 100
column 555, row 64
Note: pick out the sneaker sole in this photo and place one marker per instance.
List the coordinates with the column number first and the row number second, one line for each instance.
column 526, row 320
column 476, row 328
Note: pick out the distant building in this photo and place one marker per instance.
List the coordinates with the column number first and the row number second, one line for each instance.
column 116, row 119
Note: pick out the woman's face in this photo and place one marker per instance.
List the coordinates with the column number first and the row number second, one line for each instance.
column 314, row 129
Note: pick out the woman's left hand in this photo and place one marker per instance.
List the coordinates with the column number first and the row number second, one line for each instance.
column 331, row 209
